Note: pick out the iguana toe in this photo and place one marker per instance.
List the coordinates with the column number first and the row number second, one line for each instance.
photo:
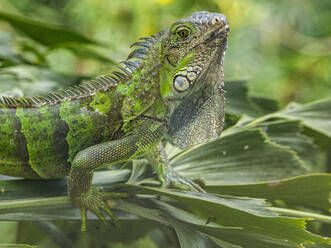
column 94, row 202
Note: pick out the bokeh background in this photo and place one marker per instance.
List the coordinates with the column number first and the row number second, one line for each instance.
column 282, row 46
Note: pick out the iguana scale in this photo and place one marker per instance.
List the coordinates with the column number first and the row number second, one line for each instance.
column 169, row 86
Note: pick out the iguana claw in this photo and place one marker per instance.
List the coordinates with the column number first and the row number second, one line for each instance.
column 94, row 201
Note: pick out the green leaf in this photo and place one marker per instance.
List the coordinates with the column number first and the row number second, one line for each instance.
column 23, row 188
column 314, row 115
column 266, row 105
column 229, row 237
column 34, row 80
column 289, row 134
column 189, row 237
column 253, row 214
column 246, row 156
column 238, row 102
column 233, row 236
column 8, row 56
column 311, row 190
column 85, row 52
column 44, row 33
column 232, row 212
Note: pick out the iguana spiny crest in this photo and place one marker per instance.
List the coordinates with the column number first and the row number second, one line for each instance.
column 188, row 46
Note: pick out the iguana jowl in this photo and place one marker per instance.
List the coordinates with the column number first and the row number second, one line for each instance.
column 169, row 86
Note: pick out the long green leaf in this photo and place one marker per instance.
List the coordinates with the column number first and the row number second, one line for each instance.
column 226, row 211
column 189, row 237
column 252, row 214
column 312, row 190
column 86, row 52
column 234, row 236
column 44, row 33
column 21, row 188
column 34, row 80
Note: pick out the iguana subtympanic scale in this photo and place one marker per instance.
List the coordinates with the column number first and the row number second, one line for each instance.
column 169, row 86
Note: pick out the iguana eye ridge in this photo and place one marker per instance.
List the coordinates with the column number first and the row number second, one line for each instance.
column 181, row 83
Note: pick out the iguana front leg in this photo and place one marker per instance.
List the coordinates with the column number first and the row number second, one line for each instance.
column 167, row 176
column 87, row 197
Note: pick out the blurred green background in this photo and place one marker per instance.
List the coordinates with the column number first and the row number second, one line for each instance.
column 283, row 47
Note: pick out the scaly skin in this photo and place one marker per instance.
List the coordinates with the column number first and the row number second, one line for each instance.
column 170, row 86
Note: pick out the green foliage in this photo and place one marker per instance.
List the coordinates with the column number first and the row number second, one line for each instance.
column 266, row 176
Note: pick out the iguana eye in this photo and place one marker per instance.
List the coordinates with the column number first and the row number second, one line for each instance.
column 183, row 32
column 181, row 83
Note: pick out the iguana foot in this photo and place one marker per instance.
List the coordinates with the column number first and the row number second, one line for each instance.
column 94, row 201
column 179, row 182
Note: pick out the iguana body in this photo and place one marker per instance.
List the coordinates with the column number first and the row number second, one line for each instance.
column 170, row 85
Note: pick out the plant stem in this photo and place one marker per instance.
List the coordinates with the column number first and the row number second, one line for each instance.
column 297, row 213
column 51, row 201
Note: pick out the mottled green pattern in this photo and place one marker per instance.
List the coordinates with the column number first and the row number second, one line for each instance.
column 45, row 134
column 102, row 102
column 86, row 126
column 138, row 97
column 13, row 150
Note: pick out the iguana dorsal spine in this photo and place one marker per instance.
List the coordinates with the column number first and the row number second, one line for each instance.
column 120, row 75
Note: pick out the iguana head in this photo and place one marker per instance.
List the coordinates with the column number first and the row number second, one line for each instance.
column 193, row 51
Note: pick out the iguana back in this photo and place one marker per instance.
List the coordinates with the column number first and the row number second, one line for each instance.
column 40, row 136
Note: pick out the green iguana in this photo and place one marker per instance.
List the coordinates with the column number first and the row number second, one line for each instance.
column 169, row 86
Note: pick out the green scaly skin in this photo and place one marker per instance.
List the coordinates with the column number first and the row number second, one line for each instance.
column 170, row 86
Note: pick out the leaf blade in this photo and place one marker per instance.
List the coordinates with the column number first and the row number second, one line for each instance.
column 44, row 33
